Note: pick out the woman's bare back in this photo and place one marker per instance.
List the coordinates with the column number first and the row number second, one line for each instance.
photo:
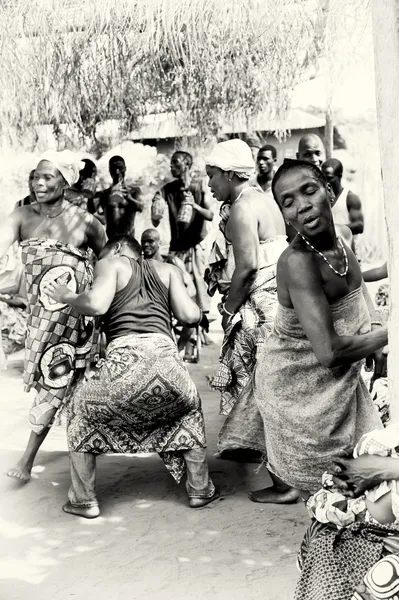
column 264, row 208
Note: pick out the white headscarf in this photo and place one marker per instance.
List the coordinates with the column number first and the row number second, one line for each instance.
column 67, row 163
column 233, row 155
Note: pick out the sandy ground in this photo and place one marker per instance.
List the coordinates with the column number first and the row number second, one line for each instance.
column 147, row 543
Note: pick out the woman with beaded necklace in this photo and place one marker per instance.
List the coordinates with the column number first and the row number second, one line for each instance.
column 308, row 385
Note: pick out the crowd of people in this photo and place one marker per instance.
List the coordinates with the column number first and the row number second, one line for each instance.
column 298, row 325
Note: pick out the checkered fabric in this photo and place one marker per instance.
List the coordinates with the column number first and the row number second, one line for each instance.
column 60, row 342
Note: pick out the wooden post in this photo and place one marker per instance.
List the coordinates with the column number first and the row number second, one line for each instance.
column 386, row 51
column 329, row 134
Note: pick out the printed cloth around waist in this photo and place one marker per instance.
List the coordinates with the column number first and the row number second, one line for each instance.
column 157, row 343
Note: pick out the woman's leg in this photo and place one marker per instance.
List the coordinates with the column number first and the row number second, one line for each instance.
column 23, row 468
column 278, row 493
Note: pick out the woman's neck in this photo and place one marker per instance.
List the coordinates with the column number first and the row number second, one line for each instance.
column 238, row 189
column 51, row 209
column 324, row 241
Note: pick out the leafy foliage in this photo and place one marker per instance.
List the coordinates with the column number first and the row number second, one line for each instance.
column 74, row 63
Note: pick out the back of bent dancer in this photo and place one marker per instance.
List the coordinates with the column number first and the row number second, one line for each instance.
column 136, row 298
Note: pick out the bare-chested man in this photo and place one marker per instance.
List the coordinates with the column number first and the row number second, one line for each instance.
column 265, row 162
column 347, row 209
column 54, row 236
column 120, row 202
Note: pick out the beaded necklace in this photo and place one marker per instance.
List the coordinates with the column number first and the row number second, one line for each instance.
column 52, row 216
column 326, row 259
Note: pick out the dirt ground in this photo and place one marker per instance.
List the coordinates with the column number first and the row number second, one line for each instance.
column 147, row 543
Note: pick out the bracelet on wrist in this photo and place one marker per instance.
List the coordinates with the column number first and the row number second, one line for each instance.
column 376, row 323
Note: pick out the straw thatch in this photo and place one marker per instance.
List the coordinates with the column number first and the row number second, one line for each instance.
column 80, row 63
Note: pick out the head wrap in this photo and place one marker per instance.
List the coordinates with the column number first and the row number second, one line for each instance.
column 233, row 155
column 67, row 163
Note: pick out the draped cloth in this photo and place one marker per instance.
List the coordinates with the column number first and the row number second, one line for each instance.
column 311, row 411
column 60, row 342
column 334, row 562
column 247, row 333
column 141, row 399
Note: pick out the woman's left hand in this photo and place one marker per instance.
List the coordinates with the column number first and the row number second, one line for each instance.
column 57, row 292
column 362, row 473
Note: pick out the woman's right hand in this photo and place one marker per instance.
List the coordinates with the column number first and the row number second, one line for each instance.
column 362, row 473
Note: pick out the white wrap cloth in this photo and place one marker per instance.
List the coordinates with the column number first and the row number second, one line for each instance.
column 233, row 155
column 67, row 163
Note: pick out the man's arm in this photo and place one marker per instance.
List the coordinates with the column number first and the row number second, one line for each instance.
column 135, row 197
column 206, row 209
column 243, row 231
column 376, row 274
column 96, row 235
column 188, row 282
column 155, row 216
column 95, row 301
column 356, row 219
column 183, row 307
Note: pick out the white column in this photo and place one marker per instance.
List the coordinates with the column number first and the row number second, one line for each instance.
column 386, row 50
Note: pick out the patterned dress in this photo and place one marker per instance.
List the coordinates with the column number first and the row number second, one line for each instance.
column 60, row 342
column 243, row 340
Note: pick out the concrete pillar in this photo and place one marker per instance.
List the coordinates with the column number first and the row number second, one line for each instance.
column 385, row 15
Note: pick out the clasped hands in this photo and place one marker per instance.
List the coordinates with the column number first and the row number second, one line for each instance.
column 353, row 476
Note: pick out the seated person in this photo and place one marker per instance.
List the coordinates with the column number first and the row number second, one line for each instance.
column 351, row 549
column 381, row 503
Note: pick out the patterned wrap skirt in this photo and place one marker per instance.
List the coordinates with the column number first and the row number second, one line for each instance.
column 141, row 399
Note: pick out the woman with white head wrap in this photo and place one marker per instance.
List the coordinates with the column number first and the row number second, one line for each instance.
column 54, row 174
column 55, row 238
column 243, row 269
column 67, row 163
column 233, row 156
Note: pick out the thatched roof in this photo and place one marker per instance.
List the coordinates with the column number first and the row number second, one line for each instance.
column 168, row 126
column 80, row 63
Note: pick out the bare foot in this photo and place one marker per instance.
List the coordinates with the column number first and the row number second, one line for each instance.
column 201, row 502
column 89, row 512
column 272, row 495
column 21, row 471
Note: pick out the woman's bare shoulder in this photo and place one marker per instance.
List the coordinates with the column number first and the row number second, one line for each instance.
column 297, row 264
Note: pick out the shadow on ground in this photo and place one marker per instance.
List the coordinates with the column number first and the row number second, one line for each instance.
column 147, row 543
